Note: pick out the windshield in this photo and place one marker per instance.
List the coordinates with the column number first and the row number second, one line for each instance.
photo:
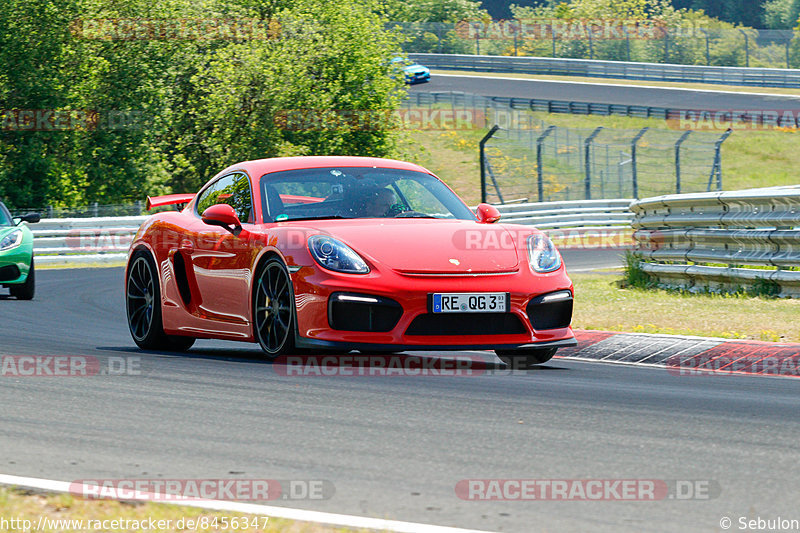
column 348, row 192
column 5, row 216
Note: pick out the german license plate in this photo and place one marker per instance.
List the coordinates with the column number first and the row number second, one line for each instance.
column 470, row 302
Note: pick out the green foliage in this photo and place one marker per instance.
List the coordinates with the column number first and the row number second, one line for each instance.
column 782, row 14
column 201, row 103
column 633, row 274
column 764, row 288
column 431, row 10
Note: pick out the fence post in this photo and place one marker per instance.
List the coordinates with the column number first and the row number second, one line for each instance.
column 788, row 45
column 591, row 42
column 482, row 158
column 587, row 147
column 746, row 48
column 627, row 43
column 678, row 161
column 514, row 31
column 666, row 45
column 708, row 50
column 716, row 169
column 539, row 163
column 553, row 35
column 634, row 171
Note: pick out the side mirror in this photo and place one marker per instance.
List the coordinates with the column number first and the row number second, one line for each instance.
column 30, row 218
column 222, row 215
column 488, row 214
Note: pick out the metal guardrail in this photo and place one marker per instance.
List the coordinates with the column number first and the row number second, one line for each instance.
column 571, row 214
column 84, row 240
column 582, row 224
column 755, row 77
column 681, row 239
column 74, row 241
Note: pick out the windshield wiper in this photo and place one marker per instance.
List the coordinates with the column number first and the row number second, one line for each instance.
column 320, row 217
column 413, row 214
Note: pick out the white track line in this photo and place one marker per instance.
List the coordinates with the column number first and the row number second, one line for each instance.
column 266, row 510
column 632, row 86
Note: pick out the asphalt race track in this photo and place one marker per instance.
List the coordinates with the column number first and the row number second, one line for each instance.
column 393, row 447
column 602, row 93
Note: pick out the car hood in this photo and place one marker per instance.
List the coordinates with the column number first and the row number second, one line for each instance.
column 427, row 246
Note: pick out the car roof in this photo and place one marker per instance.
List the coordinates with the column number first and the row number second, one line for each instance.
column 259, row 167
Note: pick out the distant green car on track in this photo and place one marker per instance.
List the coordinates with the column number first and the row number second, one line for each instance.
column 16, row 254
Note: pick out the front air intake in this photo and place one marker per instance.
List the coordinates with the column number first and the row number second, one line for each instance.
column 550, row 311
column 466, row 324
column 362, row 312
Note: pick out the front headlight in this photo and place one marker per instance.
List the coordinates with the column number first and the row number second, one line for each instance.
column 12, row 240
column 542, row 254
column 336, row 255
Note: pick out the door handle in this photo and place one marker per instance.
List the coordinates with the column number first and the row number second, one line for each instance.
column 187, row 246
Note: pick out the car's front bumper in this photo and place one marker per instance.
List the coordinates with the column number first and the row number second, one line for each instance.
column 418, row 78
column 417, row 327
column 15, row 264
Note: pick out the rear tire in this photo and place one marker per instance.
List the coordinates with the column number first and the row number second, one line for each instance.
column 143, row 305
column 25, row 291
column 525, row 358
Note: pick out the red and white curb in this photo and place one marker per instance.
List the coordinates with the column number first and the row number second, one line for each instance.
column 301, row 515
column 686, row 355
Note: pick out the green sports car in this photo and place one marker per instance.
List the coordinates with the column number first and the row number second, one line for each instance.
column 16, row 254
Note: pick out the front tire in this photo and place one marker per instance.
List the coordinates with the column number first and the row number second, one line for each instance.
column 525, row 358
column 143, row 304
column 25, row 291
column 273, row 309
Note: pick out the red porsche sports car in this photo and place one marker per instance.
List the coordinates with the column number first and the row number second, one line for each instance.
column 343, row 253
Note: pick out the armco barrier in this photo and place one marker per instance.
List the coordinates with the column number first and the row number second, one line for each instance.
column 682, row 239
column 84, row 240
column 570, row 214
column 755, row 77
column 75, row 241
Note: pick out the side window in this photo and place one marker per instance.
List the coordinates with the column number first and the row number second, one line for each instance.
column 233, row 190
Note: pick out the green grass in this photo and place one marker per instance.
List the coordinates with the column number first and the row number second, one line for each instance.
column 601, row 304
column 59, row 266
column 23, row 505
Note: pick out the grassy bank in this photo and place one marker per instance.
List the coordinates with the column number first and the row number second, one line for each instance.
column 749, row 158
column 599, row 304
column 21, row 506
